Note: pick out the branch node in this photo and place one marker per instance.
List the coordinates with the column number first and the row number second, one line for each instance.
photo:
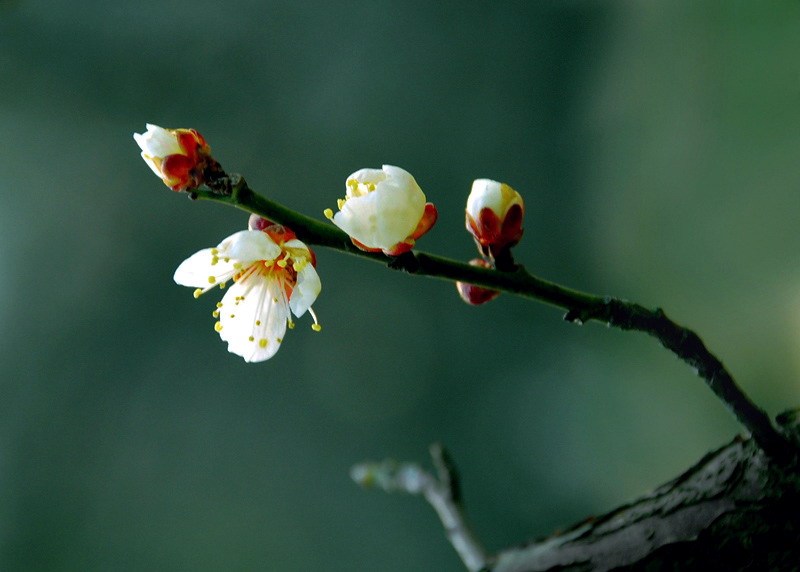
column 406, row 262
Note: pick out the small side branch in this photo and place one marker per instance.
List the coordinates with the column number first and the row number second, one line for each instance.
column 442, row 493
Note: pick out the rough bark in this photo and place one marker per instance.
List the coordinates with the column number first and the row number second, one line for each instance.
column 734, row 510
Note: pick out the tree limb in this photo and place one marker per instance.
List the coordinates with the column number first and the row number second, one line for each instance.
column 581, row 307
column 734, row 510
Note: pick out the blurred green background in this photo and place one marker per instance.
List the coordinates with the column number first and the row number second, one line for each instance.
column 656, row 145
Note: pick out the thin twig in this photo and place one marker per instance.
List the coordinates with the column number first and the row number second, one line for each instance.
column 581, row 307
column 442, row 494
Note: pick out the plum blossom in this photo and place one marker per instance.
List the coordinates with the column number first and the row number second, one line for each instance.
column 383, row 210
column 273, row 277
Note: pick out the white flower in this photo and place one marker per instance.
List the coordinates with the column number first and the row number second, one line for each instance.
column 494, row 214
column 177, row 156
column 273, row 275
column 383, row 209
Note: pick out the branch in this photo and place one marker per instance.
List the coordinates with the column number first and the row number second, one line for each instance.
column 442, row 494
column 733, row 510
column 233, row 190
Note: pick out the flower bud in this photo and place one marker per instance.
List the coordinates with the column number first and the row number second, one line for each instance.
column 494, row 216
column 476, row 295
column 177, row 156
column 383, row 210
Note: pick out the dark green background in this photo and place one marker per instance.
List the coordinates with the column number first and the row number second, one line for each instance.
column 656, row 145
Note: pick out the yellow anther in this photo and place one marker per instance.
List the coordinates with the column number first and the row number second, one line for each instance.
column 275, row 300
column 212, row 280
column 214, row 260
column 222, row 285
column 233, row 315
column 316, row 327
column 340, row 203
column 226, row 259
column 370, row 186
column 258, row 322
column 250, row 339
column 263, row 342
column 218, row 326
column 291, row 325
column 328, row 213
column 279, row 340
column 219, row 304
column 282, row 263
column 214, row 251
column 198, row 292
column 215, row 313
column 237, row 265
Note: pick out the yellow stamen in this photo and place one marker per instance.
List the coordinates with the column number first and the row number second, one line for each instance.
column 263, row 342
column 198, row 292
column 250, row 339
column 258, row 322
column 219, row 304
column 214, row 251
column 237, row 265
column 222, row 285
column 340, row 203
column 279, row 340
column 328, row 213
column 218, row 326
column 212, row 280
column 316, row 325
column 215, row 313
column 214, row 260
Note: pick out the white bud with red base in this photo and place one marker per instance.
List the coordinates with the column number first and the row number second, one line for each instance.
column 494, row 216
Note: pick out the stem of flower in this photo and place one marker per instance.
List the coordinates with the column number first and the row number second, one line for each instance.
column 581, row 307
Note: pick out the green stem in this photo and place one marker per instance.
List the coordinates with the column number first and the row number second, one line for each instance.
column 581, row 307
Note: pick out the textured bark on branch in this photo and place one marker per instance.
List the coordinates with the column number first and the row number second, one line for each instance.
column 734, row 510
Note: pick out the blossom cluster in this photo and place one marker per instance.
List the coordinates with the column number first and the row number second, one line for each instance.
column 274, row 273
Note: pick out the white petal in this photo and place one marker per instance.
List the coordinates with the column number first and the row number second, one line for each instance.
column 158, row 142
column 253, row 318
column 496, row 196
column 152, row 164
column 201, row 271
column 249, row 245
column 305, row 291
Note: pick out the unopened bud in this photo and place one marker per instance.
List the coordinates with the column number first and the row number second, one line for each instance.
column 494, row 216
column 476, row 295
column 178, row 156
